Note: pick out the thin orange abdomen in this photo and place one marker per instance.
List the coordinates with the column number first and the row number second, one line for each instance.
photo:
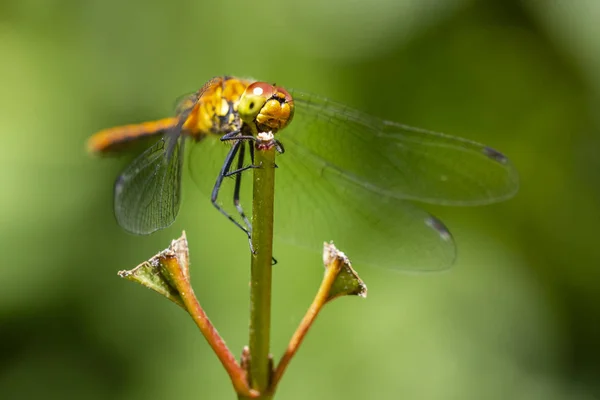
column 111, row 139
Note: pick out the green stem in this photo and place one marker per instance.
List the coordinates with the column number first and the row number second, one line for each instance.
column 260, row 281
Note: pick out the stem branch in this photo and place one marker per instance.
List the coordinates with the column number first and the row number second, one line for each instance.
column 237, row 375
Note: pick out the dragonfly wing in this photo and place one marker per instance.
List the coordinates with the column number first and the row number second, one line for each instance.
column 396, row 160
column 315, row 204
column 148, row 192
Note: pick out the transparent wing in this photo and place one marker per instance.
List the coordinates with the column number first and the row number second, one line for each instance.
column 313, row 205
column 397, row 160
column 148, row 192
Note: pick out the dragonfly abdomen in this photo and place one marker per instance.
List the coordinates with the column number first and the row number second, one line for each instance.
column 113, row 139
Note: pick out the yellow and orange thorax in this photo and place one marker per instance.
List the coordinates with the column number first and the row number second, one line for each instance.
column 216, row 111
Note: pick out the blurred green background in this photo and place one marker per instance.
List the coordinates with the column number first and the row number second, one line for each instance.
column 518, row 317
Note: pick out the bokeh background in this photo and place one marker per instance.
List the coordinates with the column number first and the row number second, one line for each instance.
column 518, row 317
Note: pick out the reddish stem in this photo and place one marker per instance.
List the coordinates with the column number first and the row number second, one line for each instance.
column 234, row 370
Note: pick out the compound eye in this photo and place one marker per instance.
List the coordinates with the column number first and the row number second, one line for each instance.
column 281, row 110
column 284, row 94
column 261, row 89
column 254, row 98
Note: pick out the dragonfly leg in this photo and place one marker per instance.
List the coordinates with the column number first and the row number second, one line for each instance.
column 235, row 135
column 238, row 149
column 215, row 192
column 240, row 167
column 238, row 184
column 240, row 170
column 279, row 147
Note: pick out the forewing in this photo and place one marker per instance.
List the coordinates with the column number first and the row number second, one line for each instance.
column 396, row 160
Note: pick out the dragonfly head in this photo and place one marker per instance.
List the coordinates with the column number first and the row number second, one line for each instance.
column 266, row 108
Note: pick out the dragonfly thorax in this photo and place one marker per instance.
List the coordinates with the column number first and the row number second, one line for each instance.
column 216, row 112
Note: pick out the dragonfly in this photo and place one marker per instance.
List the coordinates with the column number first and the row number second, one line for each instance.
column 344, row 175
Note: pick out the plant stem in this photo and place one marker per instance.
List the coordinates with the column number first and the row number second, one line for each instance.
column 237, row 375
column 260, row 281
